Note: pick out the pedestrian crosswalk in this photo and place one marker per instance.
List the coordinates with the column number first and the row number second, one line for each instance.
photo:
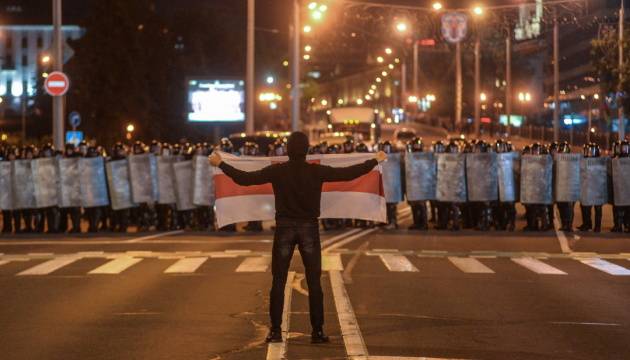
column 39, row 264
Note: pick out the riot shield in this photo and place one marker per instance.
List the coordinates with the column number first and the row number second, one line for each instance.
column 166, row 183
column 567, row 177
column 140, row 178
column 45, row 181
column 154, row 177
column 482, row 177
column 420, row 176
column 6, row 188
column 23, row 187
column 203, row 185
column 183, row 185
column 119, row 186
column 621, row 181
column 536, row 179
column 69, row 188
column 594, row 181
column 92, row 182
column 392, row 178
column 507, row 176
column 451, row 178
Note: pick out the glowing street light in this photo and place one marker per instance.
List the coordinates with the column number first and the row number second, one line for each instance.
column 378, row 80
column 324, row 102
column 270, row 80
column 384, row 73
column 391, row 66
column 340, row 101
column 413, row 99
column 478, row 10
column 317, row 15
column 596, row 96
column 359, row 101
column 524, row 97
column 483, row 97
column 388, row 51
column 380, row 59
column 312, row 6
column 285, row 63
column 130, row 128
column 402, row 27
column 437, row 6
column 307, row 57
column 45, row 59
column 430, row 97
column 307, row 29
column 373, row 87
column 308, row 48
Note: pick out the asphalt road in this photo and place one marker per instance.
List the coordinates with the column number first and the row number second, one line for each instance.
column 389, row 294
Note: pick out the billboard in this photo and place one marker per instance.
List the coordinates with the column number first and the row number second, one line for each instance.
column 216, row 100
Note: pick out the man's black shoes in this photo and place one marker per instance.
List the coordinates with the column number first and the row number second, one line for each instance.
column 274, row 336
column 318, row 337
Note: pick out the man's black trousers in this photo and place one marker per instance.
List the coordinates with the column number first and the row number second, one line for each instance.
column 304, row 234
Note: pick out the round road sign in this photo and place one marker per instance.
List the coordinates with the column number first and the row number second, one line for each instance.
column 74, row 118
column 57, row 84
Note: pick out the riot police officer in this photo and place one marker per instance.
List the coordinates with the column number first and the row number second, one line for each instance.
column 564, row 208
column 418, row 208
column 93, row 214
column 27, row 153
column 618, row 211
column 47, row 218
column 348, row 146
column 624, row 152
column 119, row 218
column 392, row 214
column 453, row 212
column 482, row 212
column 7, row 225
column 538, row 214
column 439, row 214
column 591, row 150
column 505, row 214
column 74, row 213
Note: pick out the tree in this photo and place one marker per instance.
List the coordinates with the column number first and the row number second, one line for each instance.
column 605, row 57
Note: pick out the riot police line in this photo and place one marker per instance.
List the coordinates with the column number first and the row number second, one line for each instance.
column 477, row 184
column 455, row 185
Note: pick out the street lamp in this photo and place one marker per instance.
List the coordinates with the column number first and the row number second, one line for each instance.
column 308, row 48
column 401, row 27
column 483, row 97
column 388, row 51
column 130, row 129
column 380, row 59
column 307, row 29
column 478, row 10
column 437, row 6
column 45, row 59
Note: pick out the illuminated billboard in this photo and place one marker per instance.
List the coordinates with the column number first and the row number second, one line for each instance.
column 216, row 100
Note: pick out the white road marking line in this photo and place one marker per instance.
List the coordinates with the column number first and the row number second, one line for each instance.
column 397, row 263
column 186, row 265
column 116, row 266
column 254, row 264
column 583, row 323
column 406, row 358
column 470, row 265
column 605, row 266
column 537, row 266
column 2, row 262
column 349, row 239
column 277, row 351
column 352, row 338
column 338, row 237
column 154, row 236
column 562, row 239
column 332, row 262
column 49, row 266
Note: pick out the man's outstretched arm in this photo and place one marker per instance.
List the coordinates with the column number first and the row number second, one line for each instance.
column 243, row 178
column 329, row 173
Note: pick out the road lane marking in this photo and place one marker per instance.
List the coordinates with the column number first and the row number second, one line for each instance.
column 397, row 263
column 2, row 262
column 254, row 264
column 352, row 338
column 349, row 239
column 470, row 265
column 186, row 265
column 49, row 266
column 562, row 239
column 583, row 323
column 537, row 266
column 277, row 351
column 339, row 237
column 605, row 266
column 331, row 262
column 116, row 266
column 347, row 273
column 154, row 236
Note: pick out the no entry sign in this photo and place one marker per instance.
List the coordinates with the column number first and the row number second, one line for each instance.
column 57, row 84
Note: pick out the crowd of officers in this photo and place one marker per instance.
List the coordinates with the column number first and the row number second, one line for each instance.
column 454, row 216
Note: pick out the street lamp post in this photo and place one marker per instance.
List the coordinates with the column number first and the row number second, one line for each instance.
column 508, row 78
column 295, row 68
column 57, row 55
column 249, row 71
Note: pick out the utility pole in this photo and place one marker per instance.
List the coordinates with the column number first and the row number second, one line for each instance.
column 249, row 71
column 295, row 68
column 477, row 85
column 620, row 95
column 508, row 78
column 556, row 79
column 415, row 68
column 403, row 83
column 58, row 101
column 458, row 86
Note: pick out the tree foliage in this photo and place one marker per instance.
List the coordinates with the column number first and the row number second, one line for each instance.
column 605, row 57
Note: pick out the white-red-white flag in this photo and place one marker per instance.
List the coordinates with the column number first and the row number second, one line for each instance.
column 362, row 198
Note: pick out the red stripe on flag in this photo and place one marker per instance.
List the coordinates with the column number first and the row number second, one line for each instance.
column 225, row 187
column 370, row 183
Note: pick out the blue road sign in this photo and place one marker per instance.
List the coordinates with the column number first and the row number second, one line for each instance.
column 74, row 118
column 74, row 137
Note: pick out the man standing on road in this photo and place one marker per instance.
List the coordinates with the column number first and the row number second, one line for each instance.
column 297, row 187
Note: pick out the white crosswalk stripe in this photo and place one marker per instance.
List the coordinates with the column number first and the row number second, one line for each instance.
column 538, row 266
column 116, row 266
column 254, row 264
column 397, row 263
column 2, row 262
column 49, row 266
column 332, row 262
column 186, row 265
column 606, row 266
column 470, row 265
